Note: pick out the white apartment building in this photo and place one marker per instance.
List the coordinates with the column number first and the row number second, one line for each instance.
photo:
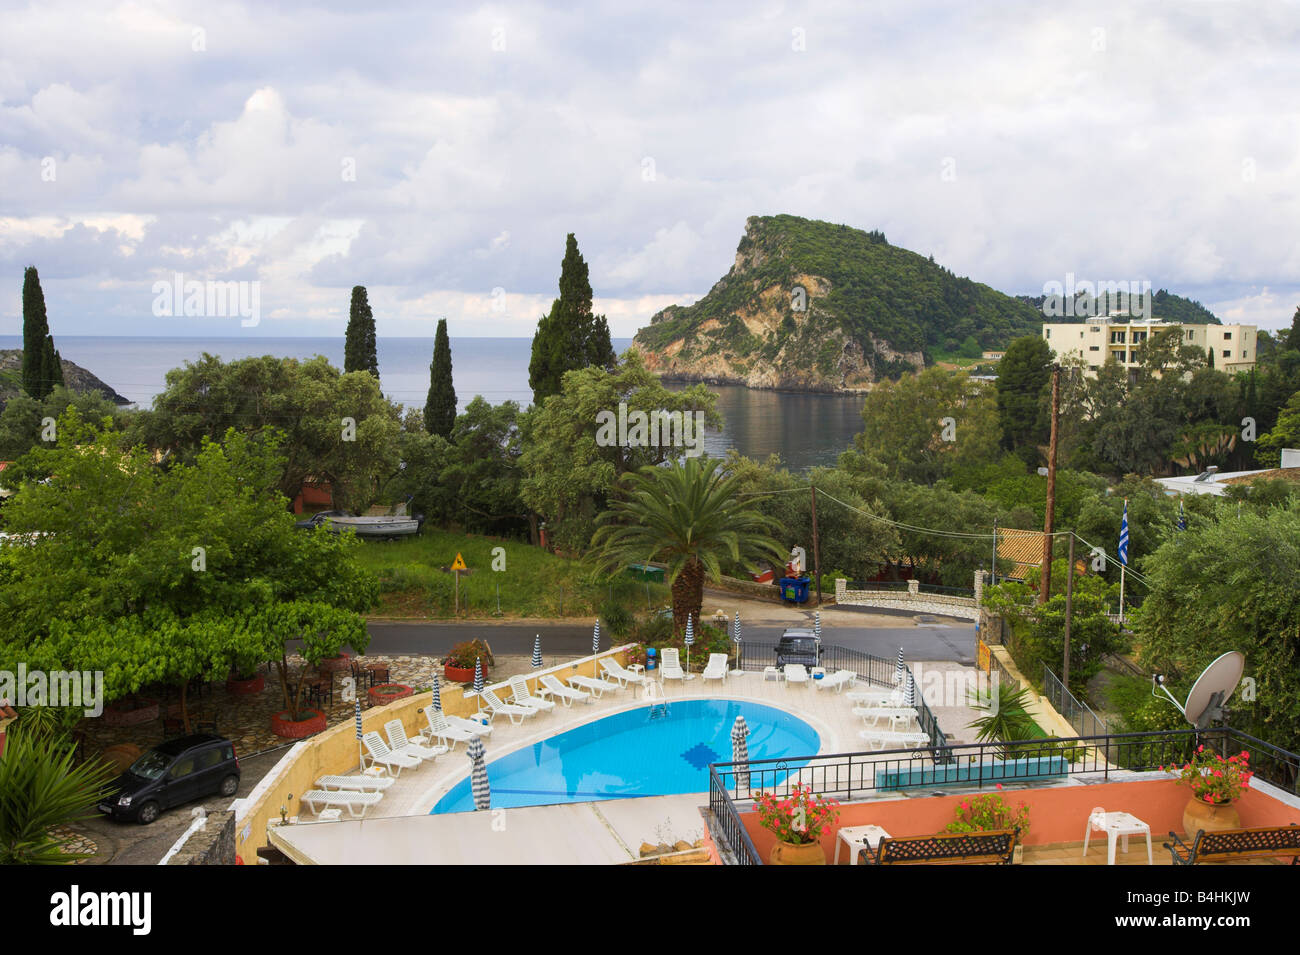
column 1097, row 339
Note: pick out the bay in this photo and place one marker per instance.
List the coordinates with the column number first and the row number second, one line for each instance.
column 806, row 430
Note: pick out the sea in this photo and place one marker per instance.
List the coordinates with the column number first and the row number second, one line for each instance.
column 806, row 430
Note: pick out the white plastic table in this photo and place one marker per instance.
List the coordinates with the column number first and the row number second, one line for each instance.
column 1119, row 825
column 857, row 837
column 772, row 673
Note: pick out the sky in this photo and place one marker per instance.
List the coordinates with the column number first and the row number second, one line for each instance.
column 439, row 153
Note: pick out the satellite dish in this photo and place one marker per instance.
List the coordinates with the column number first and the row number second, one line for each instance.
column 1212, row 689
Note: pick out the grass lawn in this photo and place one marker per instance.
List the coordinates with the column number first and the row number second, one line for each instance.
column 533, row 583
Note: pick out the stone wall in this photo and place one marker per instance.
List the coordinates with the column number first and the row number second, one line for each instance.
column 914, row 601
column 214, row 844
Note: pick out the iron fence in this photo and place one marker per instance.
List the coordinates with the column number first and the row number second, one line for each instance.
column 728, row 832
column 1079, row 715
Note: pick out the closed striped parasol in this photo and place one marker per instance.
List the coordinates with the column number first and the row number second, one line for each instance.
column 537, row 652
column 360, row 734
column 478, row 777
column 478, row 674
column 735, row 638
column 689, row 639
column 740, row 749
column 595, row 639
column 898, row 667
column 436, row 702
column 817, row 624
column 909, row 699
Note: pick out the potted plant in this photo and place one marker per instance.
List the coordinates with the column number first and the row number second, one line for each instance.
column 323, row 630
column 989, row 813
column 798, row 822
column 244, row 678
column 1216, row 784
column 458, row 665
column 382, row 693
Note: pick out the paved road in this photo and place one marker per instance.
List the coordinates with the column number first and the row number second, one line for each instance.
column 953, row 641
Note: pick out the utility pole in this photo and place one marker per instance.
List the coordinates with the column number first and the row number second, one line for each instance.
column 817, row 563
column 993, row 575
column 1069, row 611
column 1045, row 584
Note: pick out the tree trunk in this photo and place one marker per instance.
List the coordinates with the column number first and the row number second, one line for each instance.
column 185, row 713
column 688, row 595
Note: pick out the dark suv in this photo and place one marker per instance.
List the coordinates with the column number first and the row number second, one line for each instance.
column 175, row 772
column 799, row 645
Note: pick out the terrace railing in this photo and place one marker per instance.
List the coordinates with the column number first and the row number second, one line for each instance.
column 1079, row 715
column 755, row 655
column 847, row 776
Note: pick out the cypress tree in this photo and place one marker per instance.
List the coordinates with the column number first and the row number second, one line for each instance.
column 569, row 336
column 359, row 343
column 41, row 368
column 440, row 406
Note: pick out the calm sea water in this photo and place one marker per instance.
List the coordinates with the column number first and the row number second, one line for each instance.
column 806, row 430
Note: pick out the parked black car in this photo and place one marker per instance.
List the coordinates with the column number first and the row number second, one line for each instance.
column 175, row 772
column 799, row 645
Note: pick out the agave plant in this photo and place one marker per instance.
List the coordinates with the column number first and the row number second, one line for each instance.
column 41, row 789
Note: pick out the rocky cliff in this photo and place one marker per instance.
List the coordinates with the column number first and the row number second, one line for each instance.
column 74, row 376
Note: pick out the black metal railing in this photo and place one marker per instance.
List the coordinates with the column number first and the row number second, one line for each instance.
column 870, row 669
column 1268, row 762
column 1078, row 713
column 729, row 834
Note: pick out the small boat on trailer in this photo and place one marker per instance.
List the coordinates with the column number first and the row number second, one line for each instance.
column 389, row 526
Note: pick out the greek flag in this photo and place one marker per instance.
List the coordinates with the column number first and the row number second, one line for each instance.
column 1123, row 537
column 478, row 675
column 478, row 777
column 1182, row 518
column 537, row 652
column 436, row 702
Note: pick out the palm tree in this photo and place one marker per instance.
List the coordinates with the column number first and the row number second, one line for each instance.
column 41, row 789
column 1005, row 719
column 687, row 516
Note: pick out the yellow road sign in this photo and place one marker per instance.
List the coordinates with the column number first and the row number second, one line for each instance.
column 459, row 563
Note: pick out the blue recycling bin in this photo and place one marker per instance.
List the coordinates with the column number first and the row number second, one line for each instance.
column 794, row 589
column 650, row 654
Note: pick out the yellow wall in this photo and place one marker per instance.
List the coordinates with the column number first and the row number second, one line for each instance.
column 335, row 751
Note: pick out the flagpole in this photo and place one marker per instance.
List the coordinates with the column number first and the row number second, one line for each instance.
column 1121, row 594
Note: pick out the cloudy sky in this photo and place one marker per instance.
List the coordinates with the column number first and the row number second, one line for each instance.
column 438, row 153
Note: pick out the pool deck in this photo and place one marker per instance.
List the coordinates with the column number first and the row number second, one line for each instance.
column 601, row 832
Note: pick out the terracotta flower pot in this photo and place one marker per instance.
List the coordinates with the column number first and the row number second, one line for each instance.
column 790, row 853
column 387, row 692
column 238, row 687
column 455, row 674
column 334, row 664
column 1200, row 814
column 286, row 728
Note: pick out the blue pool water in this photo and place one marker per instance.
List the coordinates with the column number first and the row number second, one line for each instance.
column 641, row 752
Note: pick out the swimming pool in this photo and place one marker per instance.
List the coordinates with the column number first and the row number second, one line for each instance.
column 641, row 752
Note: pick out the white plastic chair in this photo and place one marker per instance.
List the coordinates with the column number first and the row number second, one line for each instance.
column 671, row 666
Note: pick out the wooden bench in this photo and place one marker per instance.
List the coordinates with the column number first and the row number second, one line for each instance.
column 1232, row 844
column 995, row 847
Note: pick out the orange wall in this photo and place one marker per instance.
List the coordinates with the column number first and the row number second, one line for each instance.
column 1056, row 814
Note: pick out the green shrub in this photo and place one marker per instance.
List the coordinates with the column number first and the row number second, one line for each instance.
column 616, row 618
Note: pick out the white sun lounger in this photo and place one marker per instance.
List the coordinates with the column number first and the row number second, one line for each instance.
column 620, row 673
column 315, row 798
column 477, row 727
column 516, row 713
column 882, row 739
column 555, row 688
column 671, row 668
column 378, row 752
column 716, row 668
column 876, row 697
column 521, row 695
column 836, row 681
column 355, row 783
column 897, row 715
column 594, row 685
column 796, row 673
column 441, row 729
column 400, row 743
